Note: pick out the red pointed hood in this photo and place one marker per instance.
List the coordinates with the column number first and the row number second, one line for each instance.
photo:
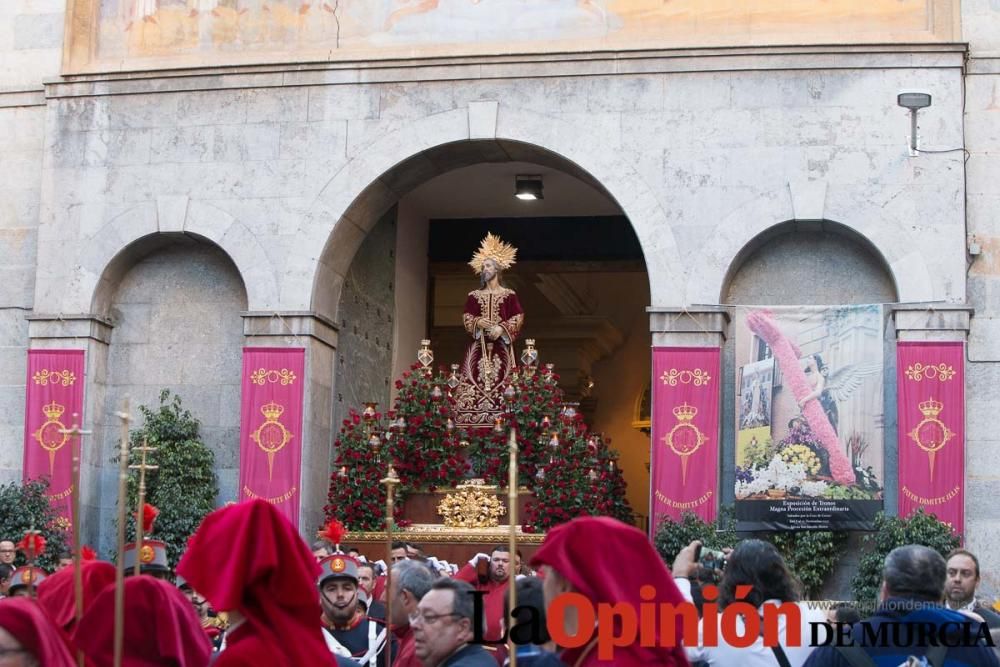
column 29, row 625
column 608, row 562
column 248, row 557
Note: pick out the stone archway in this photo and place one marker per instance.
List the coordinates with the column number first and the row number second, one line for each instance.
column 340, row 221
column 390, row 167
column 741, row 231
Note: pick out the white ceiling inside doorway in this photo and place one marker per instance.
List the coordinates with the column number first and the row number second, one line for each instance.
column 487, row 190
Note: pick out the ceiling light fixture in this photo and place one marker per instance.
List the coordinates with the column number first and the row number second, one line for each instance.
column 528, row 188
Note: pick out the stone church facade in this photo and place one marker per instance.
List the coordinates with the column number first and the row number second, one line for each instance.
column 161, row 218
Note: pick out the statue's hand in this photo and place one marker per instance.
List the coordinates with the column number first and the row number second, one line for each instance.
column 496, row 332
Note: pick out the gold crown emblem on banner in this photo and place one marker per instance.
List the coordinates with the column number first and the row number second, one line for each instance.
column 930, row 408
column 685, row 412
column 53, row 410
column 271, row 411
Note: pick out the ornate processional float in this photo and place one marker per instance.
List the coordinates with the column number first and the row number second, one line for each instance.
column 446, row 440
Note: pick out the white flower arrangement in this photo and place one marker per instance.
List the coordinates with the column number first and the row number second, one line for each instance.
column 779, row 474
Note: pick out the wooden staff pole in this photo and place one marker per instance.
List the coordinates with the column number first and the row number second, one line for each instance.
column 119, row 636
column 390, row 481
column 76, row 446
column 512, row 545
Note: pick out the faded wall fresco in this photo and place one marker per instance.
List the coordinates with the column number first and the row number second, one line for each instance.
column 144, row 33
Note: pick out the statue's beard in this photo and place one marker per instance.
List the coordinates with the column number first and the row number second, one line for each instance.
column 483, row 279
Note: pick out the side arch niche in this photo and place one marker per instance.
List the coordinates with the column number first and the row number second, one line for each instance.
column 175, row 303
column 809, row 263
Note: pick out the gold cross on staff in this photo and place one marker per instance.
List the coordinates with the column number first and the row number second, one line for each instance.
column 142, row 467
column 74, row 433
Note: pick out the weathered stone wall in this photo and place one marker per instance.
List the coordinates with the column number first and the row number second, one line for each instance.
column 30, row 50
column 20, row 164
column 981, row 26
column 364, row 355
column 31, row 38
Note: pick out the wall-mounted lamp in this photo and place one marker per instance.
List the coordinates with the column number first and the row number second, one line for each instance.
column 914, row 101
column 528, row 188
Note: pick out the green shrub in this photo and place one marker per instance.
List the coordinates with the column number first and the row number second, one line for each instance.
column 811, row 555
column 892, row 532
column 672, row 536
column 184, row 487
column 24, row 507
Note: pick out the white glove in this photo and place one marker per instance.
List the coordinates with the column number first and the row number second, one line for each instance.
column 380, row 564
column 477, row 557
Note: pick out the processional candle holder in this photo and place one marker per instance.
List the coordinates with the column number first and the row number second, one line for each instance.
column 425, row 355
column 453, row 380
column 529, row 357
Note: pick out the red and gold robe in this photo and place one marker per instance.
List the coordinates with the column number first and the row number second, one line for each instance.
column 488, row 364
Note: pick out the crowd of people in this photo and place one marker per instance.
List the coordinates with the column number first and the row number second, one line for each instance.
column 249, row 592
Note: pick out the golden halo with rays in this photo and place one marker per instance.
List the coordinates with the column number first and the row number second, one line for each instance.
column 493, row 248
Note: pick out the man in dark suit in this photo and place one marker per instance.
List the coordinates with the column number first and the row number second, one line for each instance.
column 960, row 587
column 442, row 627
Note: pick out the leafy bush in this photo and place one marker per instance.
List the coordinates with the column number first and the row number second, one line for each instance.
column 811, row 555
column 25, row 506
column 185, row 486
column 892, row 532
column 672, row 536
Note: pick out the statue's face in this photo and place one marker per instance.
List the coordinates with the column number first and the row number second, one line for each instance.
column 489, row 270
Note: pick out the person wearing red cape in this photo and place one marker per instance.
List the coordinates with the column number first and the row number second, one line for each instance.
column 608, row 562
column 248, row 560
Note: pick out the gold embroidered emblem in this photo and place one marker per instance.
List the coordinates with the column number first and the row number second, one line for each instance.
column 29, row 576
column 271, row 436
column 918, row 371
column 263, row 376
column 50, row 435
column 684, row 439
column 695, row 376
column 147, row 554
column 44, row 377
column 931, row 434
column 338, row 565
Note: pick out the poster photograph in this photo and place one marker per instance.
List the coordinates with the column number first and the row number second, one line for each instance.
column 809, row 417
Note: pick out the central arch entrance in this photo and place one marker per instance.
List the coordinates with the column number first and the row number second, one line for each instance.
column 394, row 271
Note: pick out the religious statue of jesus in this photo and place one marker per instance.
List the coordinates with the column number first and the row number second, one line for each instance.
column 493, row 318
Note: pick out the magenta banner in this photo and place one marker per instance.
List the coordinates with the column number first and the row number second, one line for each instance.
column 685, row 425
column 271, row 426
column 54, row 395
column 931, row 401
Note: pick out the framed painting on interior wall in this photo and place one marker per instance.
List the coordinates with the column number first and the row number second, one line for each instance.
column 128, row 35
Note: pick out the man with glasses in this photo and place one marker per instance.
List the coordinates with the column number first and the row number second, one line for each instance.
column 442, row 627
